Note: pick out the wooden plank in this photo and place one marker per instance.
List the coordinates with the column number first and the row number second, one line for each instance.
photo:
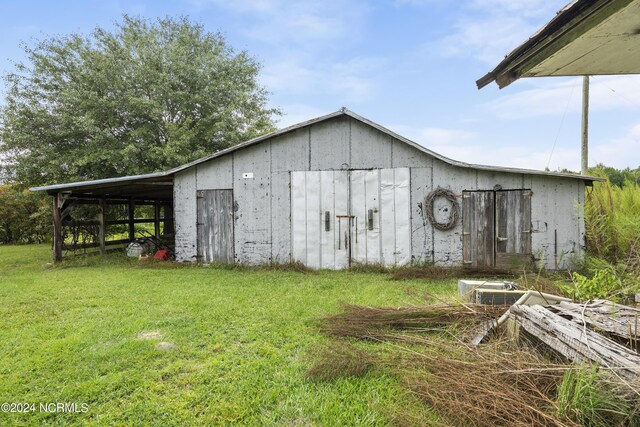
column 94, row 244
column 215, row 226
column 169, row 223
column 478, row 228
column 57, row 229
column 574, row 342
column 606, row 316
column 132, row 215
column 102, row 207
column 513, row 228
column 156, row 220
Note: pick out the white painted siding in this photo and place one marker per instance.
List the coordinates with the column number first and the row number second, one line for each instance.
column 184, row 208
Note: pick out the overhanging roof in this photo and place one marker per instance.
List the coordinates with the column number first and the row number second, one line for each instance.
column 160, row 184
column 153, row 186
column 586, row 37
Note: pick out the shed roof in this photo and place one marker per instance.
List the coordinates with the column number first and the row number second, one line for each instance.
column 105, row 185
column 586, row 37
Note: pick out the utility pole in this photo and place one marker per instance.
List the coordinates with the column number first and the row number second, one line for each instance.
column 585, row 125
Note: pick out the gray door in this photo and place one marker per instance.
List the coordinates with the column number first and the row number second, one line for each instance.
column 215, row 226
column 513, row 228
column 496, row 228
column 343, row 217
column 478, row 236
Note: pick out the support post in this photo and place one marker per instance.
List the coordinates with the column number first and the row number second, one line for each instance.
column 168, row 219
column 156, row 219
column 584, row 163
column 132, row 215
column 102, row 207
column 57, row 229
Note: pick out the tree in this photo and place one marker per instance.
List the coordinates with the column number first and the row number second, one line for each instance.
column 25, row 217
column 144, row 97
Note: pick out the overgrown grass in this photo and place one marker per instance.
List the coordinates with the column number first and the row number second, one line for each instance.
column 589, row 398
column 87, row 331
column 612, row 217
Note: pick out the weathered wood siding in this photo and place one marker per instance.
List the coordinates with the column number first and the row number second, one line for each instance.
column 215, row 226
column 263, row 203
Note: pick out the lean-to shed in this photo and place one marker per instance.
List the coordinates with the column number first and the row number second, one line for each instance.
column 340, row 189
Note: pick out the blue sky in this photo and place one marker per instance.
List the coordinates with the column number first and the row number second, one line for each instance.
column 409, row 65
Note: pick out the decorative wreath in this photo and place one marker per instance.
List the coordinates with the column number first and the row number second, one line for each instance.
column 453, row 213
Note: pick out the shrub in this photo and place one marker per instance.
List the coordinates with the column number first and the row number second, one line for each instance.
column 25, row 217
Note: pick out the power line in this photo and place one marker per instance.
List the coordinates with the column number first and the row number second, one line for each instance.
column 564, row 114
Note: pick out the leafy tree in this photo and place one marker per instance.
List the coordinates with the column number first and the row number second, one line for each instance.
column 25, row 217
column 618, row 177
column 144, row 97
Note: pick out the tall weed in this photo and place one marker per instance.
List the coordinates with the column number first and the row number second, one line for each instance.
column 612, row 219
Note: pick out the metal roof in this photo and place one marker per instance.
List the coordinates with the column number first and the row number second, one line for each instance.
column 167, row 175
column 346, row 112
column 586, row 37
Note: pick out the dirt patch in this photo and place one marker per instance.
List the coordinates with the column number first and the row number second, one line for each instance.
column 149, row 335
column 164, row 345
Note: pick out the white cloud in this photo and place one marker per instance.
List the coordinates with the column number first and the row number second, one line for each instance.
column 432, row 137
column 553, row 97
column 619, row 152
column 288, row 74
column 298, row 113
column 299, row 22
column 487, row 40
column 543, row 8
column 347, row 81
column 490, row 29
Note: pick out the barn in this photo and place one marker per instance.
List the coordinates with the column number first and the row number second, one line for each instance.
column 340, row 190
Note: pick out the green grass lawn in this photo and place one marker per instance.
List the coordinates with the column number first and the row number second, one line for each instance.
column 241, row 343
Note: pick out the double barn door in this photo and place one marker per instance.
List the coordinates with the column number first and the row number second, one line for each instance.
column 496, row 228
column 339, row 218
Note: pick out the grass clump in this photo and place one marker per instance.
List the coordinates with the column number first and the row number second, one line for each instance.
column 589, row 398
column 339, row 359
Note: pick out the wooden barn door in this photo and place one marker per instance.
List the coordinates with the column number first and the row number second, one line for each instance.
column 496, row 228
column 513, row 228
column 215, row 226
column 478, row 228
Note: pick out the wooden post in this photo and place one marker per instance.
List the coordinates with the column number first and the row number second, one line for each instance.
column 168, row 219
column 156, row 219
column 102, row 207
column 132, row 215
column 584, row 161
column 57, row 229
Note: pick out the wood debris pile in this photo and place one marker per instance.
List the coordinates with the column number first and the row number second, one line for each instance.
column 601, row 332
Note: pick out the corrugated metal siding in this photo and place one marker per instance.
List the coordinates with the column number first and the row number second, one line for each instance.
column 357, row 216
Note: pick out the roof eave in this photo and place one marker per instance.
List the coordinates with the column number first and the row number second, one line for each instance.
column 101, row 182
column 575, row 18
